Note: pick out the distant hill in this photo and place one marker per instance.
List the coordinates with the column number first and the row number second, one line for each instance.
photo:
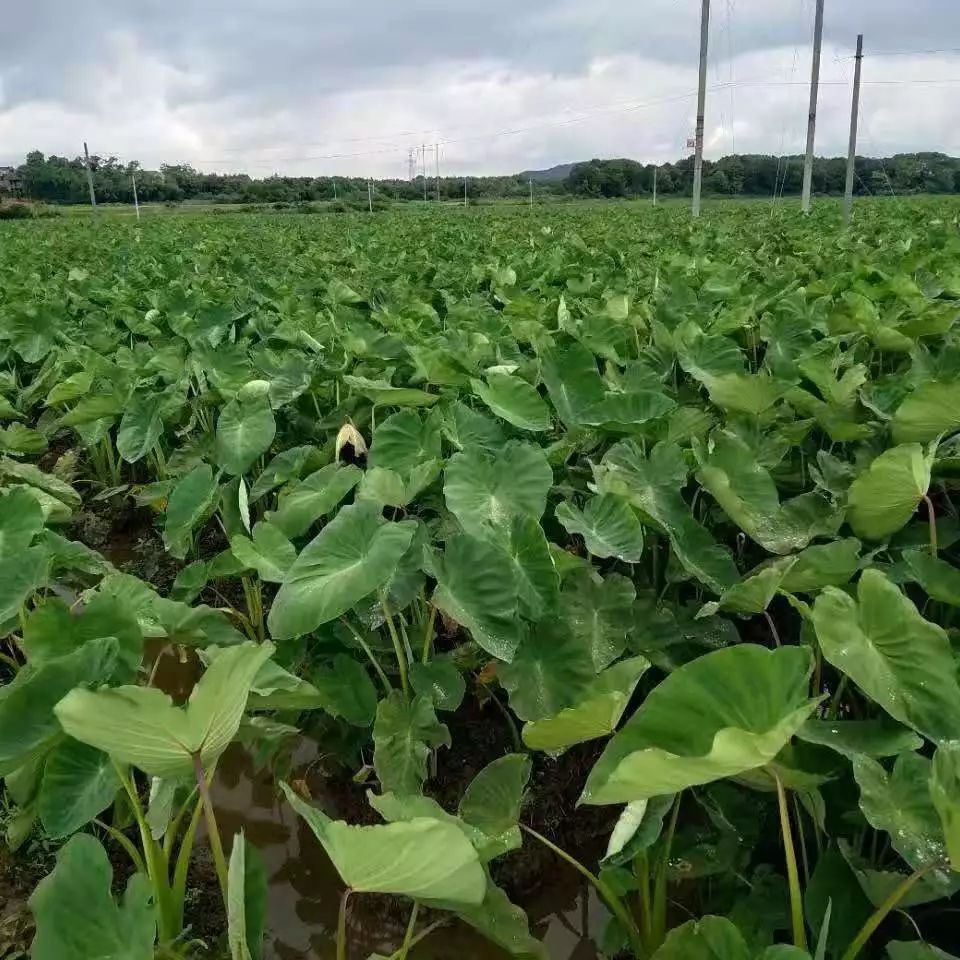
column 553, row 174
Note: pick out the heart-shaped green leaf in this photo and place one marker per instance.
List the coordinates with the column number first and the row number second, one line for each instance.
column 350, row 558
column 901, row 661
column 423, row 858
column 706, row 721
column 884, row 497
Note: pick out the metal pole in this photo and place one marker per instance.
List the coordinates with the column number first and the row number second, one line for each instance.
column 436, row 150
column 852, row 149
column 812, row 115
column 86, row 163
column 655, row 186
column 701, row 107
column 370, row 195
column 136, row 202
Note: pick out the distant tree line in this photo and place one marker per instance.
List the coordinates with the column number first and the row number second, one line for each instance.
column 60, row 180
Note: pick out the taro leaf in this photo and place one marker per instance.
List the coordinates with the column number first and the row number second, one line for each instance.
column 246, row 428
column 20, row 575
column 21, row 519
column 514, row 400
column 628, row 411
column 482, row 488
column 477, row 589
column 637, row 829
column 142, row 726
column 879, row 885
column 275, row 688
column 391, row 489
column 492, row 800
column 653, row 485
column 710, row 938
column 77, row 917
column 78, row 783
column 384, row 394
column 939, row 579
column 404, row 733
column 423, row 858
column 467, row 429
column 34, row 477
column 28, row 726
column 440, row 680
column 347, row 690
column 868, row 738
column 283, row 467
column 748, row 495
column 551, row 670
column 572, row 381
column 721, row 715
column 945, row 793
column 404, row 441
column 596, row 713
column 899, row 803
column 350, row 558
column 608, row 525
column 753, row 594
column 884, row 497
column 746, row 393
column 916, row 950
column 142, row 423
column 270, row 553
column 499, row 920
column 192, row 500
column 901, row 661
column 531, row 567
column 823, row 565
column 599, row 613
column 314, row 497
column 246, row 900
column 932, row 410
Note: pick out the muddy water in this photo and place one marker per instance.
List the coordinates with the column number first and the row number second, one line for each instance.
column 304, row 889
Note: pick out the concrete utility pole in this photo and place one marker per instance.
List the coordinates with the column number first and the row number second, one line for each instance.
column 464, row 191
column 655, row 186
column 334, row 189
column 86, row 163
column 370, row 195
column 423, row 157
column 136, row 202
column 531, row 191
column 436, row 150
column 701, row 108
column 812, row 116
column 852, row 149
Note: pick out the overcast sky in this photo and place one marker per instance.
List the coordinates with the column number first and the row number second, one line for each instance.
column 313, row 86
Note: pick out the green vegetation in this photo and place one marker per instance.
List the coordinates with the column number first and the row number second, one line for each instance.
column 61, row 180
column 670, row 505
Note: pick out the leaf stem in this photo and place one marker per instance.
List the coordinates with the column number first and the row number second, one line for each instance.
column 408, row 937
column 793, row 875
column 216, row 847
column 428, row 634
column 878, row 915
column 514, row 732
column 397, row 647
column 342, row 925
column 932, row 521
column 615, row 904
column 773, row 628
column 365, row 647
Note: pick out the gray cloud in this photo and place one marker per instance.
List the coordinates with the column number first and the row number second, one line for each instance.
column 302, row 86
